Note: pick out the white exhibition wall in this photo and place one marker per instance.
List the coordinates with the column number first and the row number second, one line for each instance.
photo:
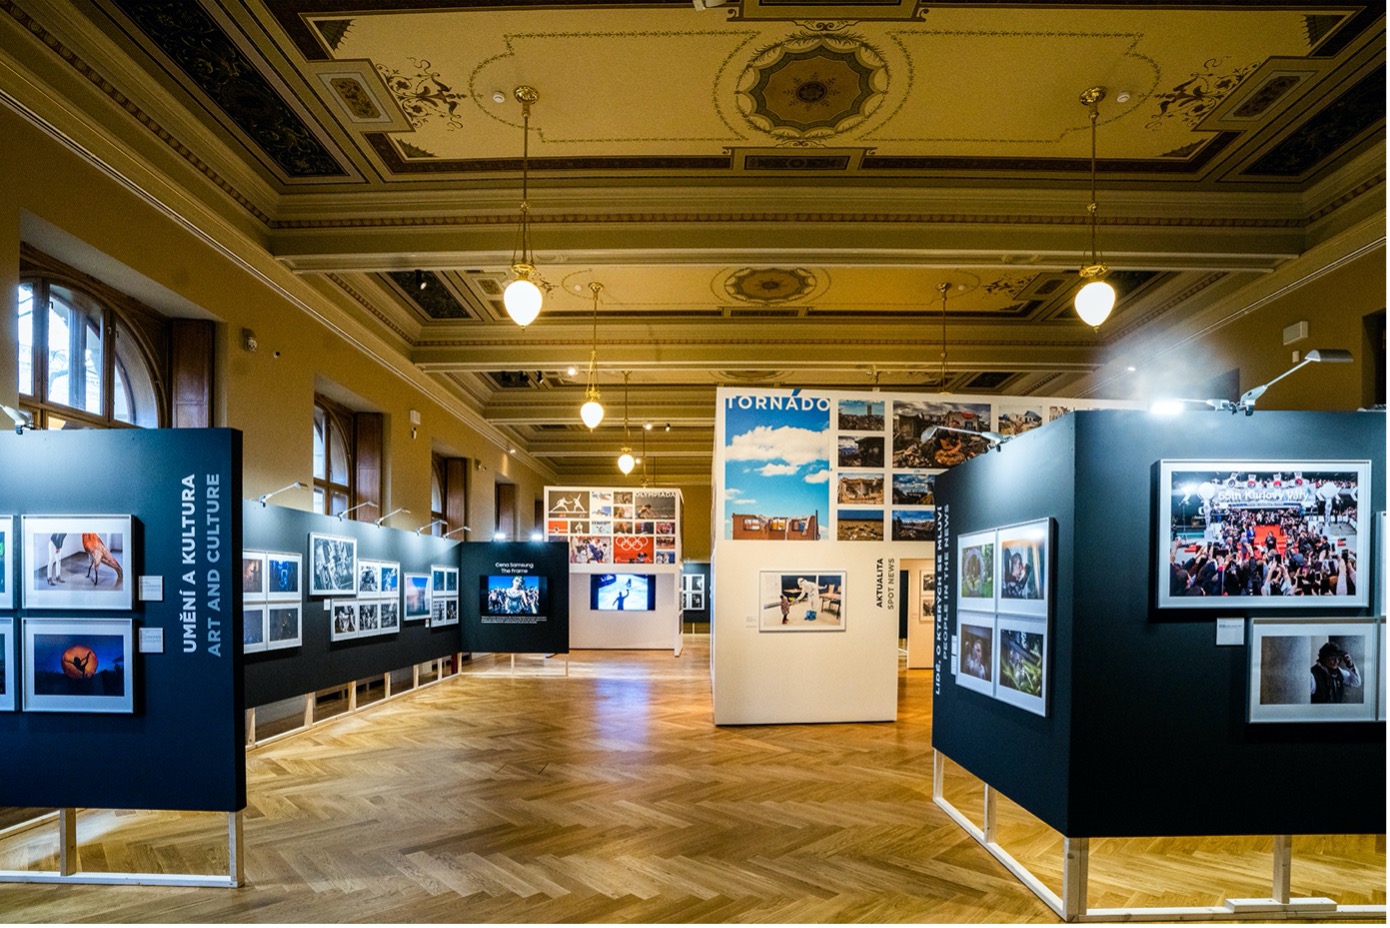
column 765, row 675
column 823, row 483
column 626, row 629
column 921, row 616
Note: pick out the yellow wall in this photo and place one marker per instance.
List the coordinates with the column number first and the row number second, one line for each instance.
column 269, row 399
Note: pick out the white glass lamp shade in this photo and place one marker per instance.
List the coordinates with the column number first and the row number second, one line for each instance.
column 1094, row 302
column 523, row 301
column 626, row 462
column 592, row 413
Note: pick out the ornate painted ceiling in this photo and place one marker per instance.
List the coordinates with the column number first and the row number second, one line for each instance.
column 769, row 192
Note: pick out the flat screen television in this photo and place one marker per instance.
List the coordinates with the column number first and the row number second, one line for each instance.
column 622, row 592
column 511, row 594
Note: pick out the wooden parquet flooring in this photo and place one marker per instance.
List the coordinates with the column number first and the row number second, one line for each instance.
column 609, row 796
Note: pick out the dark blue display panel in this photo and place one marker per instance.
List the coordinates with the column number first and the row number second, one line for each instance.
column 1147, row 731
column 182, row 746
column 515, row 597
column 318, row 663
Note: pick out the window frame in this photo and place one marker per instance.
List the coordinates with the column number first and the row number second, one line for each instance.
column 339, row 418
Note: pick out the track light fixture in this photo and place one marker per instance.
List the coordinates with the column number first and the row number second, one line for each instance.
column 429, row 525
column 391, row 513
column 592, row 410
column 522, row 297
column 265, row 496
column 1094, row 300
column 342, row 516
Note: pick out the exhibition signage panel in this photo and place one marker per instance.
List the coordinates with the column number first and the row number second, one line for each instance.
column 164, row 724
column 515, row 597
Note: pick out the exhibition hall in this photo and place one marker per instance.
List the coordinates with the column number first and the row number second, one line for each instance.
column 647, row 461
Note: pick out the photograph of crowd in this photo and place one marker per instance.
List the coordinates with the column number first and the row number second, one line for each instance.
column 1241, row 530
column 513, row 594
column 911, row 419
column 861, row 415
column 1312, row 670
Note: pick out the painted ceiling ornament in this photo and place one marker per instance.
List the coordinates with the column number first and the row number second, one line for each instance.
column 812, row 86
column 770, row 284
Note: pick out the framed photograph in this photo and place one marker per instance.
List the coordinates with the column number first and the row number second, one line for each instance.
column 697, row 601
column 389, row 578
column 389, row 612
column 368, row 619
column 419, row 593
column 368, row 578
column 7, row 562
column 344, row 624
column 7, row 666
column 79, row 665
column 77, row 562
column 1263, row 534
column 913, row 525
column 1316, row 670
column 975, row 570
column 810, row 601
column 444, row 612
column 282, row 576
column 446, row 580
column 928, row 612
column 283, row 625
column 332, row 565
column 1023, row 568
column 975, row 662
column 697, row 582
column 252, row 627
column 1021, row 663
column 1380, row 666
column 252, row 575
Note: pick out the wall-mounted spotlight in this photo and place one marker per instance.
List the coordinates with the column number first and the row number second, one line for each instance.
column 391, row 513
column 1246, row 403
column 499, row 536
column 21, row 419
column 265, row 496
column 429, row 525
column 342, row 516
column 461, row 528
column 537, row 536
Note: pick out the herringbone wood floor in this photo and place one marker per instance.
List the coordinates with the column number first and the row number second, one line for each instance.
column 609, row 796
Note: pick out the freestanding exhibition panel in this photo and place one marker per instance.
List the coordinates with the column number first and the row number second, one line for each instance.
column 1147, row 723
column 121, row 620
column 516, row 597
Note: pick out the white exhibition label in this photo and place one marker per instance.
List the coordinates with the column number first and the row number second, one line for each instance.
column 152, row 589
column 1230, row 631
column 151, row 640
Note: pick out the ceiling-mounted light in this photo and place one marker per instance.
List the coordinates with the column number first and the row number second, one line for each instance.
column 522, row 297
column 943, row 288
column 1094, row 300
column 421, row 281
column 592, row 410
column 626, row 462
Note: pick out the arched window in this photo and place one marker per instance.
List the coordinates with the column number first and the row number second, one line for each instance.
column 84, row 361
column 332, row 458
column 438, row 481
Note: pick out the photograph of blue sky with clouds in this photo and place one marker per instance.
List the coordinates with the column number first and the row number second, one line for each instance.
column 777, row 460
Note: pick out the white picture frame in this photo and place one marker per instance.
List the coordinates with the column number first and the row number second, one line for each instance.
column 253, row 578
column 1206, row 506
column 343, row 620
column 332, row 565
column 976, row 589
column 81, row 665
column 284, row 577
column 975, row 664
column 1021, row 652
column 1286, row 655
column 8, row 574
column 8, row 662
column 284, row 622
column 58, row 548
column 253, row 627
column 1023, row 568
column 418, row 592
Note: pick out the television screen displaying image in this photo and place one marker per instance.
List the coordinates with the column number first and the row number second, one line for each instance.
column 511, row 595
column 622, row 592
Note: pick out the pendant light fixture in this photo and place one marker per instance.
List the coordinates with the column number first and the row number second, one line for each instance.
column 522, row 297
column 626, row 462
column 1094, row 300
column 592, row 410
column 943, row 288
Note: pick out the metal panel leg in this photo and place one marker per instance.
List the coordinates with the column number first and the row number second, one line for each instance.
column 67, row 842
column 236, row 871
column 1283, row 864
column 1074, row 877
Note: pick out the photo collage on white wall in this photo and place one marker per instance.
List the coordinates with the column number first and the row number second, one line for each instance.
column 1003, row 603
column 614, row 526
column 854, row 466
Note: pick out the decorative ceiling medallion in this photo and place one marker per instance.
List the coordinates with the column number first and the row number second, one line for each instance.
column 768, row 285
column 812, row 87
